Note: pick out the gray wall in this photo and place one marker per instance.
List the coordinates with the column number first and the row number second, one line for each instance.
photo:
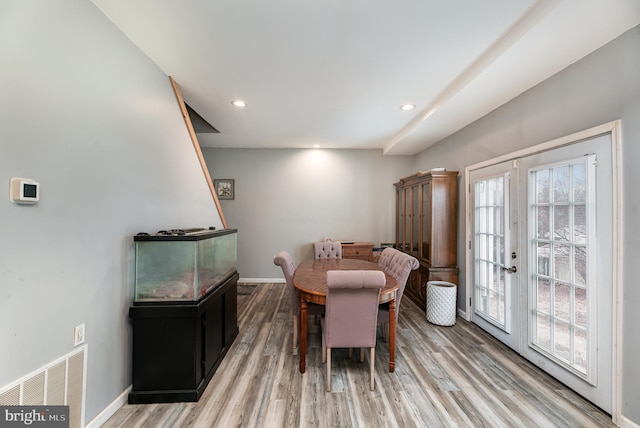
column 600, row 88
column 287, row 199
column 92, row 119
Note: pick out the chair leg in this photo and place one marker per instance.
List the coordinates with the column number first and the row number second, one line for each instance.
column 324, row 349
column 328, row 369
column 371, row 367
column 296, row 329
column 361, row 354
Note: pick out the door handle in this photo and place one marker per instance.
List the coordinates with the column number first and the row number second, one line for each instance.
column 512, row 269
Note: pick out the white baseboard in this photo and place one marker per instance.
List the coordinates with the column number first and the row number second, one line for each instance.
column 627, row 423
column 462, row 314
column 110, row 410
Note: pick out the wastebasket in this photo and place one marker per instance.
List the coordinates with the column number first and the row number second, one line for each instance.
column 441, row 303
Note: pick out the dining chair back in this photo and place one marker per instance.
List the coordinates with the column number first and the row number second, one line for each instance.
column 327, row 250
column 351, row 313
column 285, row 261
column 399, row 265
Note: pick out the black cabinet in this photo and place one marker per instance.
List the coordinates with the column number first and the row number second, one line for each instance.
column 177, row 346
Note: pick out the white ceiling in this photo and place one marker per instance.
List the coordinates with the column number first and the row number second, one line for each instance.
column 335, row 72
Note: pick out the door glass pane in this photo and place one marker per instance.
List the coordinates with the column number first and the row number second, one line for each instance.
column 401, row 220
column 562, row 340
column 426, row 221
column 561, row 230
column 544, row 296
column 560, row 184
column 489, row 244
column 544, row 258
column 561, row 261
column 406, row 239
column 580, row 223
column 579, row 183
column 415, row 217
column 543, row 331
column 559, row 282
column 580, row 312
column 542, row 187
column 580, row 265
column 580, row 349
column 543, row 222
column 562, row 301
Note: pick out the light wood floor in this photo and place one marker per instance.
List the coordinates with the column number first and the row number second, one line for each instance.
column 445, row 377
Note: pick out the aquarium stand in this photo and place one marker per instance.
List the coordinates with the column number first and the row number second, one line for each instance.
column 177, row 346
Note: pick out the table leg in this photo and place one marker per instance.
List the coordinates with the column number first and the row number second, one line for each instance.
column 392, row 336
column 303, row 335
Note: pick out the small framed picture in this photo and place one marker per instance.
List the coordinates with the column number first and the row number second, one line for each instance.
column 225, row 188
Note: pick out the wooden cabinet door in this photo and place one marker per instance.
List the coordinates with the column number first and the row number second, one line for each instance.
column 212, row 340
column 444, row 202
column 427, row 217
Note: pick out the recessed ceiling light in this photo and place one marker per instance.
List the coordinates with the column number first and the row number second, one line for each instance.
column 407, row 107
column 239, row 103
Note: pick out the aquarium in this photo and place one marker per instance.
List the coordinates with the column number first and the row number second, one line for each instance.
column 183, row 264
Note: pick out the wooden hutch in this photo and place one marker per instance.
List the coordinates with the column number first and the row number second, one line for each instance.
column 426, row 223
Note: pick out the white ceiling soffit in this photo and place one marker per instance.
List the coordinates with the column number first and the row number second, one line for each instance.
column 335, row 72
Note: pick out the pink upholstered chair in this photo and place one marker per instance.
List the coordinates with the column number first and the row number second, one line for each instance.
column 399, row 265
column 284, row 260
column 327, row 250
column 350, row 319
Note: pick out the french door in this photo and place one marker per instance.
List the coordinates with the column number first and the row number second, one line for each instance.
column 495, row 248
column 542, row 228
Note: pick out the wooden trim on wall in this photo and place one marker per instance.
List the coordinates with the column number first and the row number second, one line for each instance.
column 196, row 146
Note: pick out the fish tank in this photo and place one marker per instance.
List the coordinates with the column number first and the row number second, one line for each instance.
column 183, row 265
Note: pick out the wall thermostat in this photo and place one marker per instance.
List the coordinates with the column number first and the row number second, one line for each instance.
column 24, row 191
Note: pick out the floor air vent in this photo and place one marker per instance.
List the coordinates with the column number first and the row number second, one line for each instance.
column 61, row 382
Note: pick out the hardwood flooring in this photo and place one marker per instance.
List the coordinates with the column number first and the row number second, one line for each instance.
column 445, row 377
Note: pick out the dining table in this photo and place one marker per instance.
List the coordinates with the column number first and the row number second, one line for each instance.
column 310, row 279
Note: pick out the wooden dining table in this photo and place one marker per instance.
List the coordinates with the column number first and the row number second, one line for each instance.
column 310, row 279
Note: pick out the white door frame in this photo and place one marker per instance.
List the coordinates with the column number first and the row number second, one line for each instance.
column 612, row 128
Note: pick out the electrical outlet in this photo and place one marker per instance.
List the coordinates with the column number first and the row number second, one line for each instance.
column 78, row 335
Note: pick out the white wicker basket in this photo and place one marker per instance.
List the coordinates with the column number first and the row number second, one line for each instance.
column 441, row 303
